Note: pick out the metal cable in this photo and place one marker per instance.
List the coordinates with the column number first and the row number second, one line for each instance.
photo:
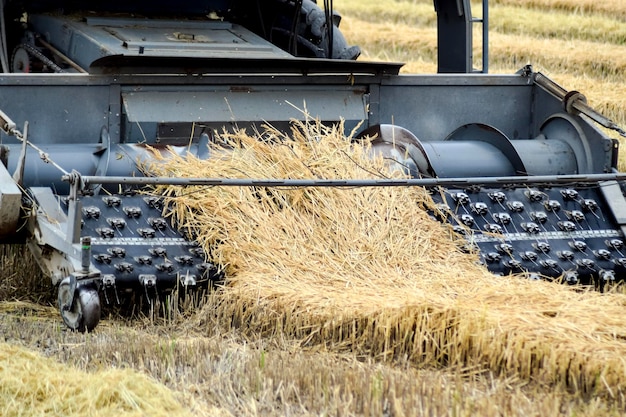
column 42, row 154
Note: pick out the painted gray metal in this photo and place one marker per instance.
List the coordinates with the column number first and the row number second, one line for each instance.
column 66, row 113
column 455, row 41
column 10, row 203
column 252, row 103
column 85, row 41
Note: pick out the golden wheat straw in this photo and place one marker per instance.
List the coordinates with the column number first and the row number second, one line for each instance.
column 368, row 271
column 34, row 385
column 611, row 8
column 535, row 23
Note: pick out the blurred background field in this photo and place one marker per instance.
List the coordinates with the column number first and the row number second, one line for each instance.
column 208, row 363
column 580, row 44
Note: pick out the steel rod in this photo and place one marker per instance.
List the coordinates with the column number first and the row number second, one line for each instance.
column 579, row 105
column 423, row 182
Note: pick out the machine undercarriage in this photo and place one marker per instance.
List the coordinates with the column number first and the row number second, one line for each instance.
column 88, row 94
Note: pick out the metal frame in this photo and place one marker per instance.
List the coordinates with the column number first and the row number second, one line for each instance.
column 455, row 43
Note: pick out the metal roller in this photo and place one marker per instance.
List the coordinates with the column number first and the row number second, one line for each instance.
column 480, row 150
column 95, row 159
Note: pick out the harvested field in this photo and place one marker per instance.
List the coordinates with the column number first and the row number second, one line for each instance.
column 344, row 302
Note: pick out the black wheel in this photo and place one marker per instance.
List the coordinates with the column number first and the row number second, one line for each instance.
column 299, row 27
column 80, row 308
column 311, row 32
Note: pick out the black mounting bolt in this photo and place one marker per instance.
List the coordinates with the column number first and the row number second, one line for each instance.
column 105, row 232
column 504, row 248
column 103, row 258
column 616, row 244
column 589, row 204
column 529, row 255
column 567, row 226
column 91, row 212
column 515, row 206
column 552, row 205
column 117, row 252
column 116, row 222
column 543, row 247
column 112, row 201
column 144, row 260
column 502, row 218
column 165, row 267
column 530, row 227
column 158, row 223
column 479, row 208
column 154, row 202
column 539, row 216
column 124, row 267
column 132, row 212
column 497, row 197
column 461, row 198
column 492, row 257
column 549, row 264
column 534, row 195
column 467, row 220
column 578, row 245
column 569, row 194
column 146, row 232
column 493, row 228
column 161, row 252
column 602, row 254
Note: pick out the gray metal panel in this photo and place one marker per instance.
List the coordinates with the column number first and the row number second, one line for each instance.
column 254, row 104
column 543, row 106
column 10, row 203
column 85, row 42
column 434, row 106
column 612, row 192
column 546, row 105
column 57, row 113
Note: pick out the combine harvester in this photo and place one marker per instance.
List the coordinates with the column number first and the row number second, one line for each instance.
column 515, row 162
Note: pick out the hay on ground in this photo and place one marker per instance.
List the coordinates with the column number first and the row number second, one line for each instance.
column 33, row 385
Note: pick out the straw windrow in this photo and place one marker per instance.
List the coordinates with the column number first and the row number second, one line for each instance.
column 33, row 385
column 367, row 270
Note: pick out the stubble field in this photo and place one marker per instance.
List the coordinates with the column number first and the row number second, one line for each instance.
column 309, row 345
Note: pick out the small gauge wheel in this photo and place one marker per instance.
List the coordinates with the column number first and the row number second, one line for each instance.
column 80, row 309
column 20, row 61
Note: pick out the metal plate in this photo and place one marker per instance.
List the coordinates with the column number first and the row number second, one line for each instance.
column 546, row 231
column 135, row 248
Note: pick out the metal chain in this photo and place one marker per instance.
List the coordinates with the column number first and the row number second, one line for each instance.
column 34, row 52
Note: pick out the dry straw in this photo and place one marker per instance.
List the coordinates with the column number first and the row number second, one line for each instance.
column 367, row 270
column 33, row 385
column 613, row 8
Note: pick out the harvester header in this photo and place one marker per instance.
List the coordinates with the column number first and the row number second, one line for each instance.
column 91, row 91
